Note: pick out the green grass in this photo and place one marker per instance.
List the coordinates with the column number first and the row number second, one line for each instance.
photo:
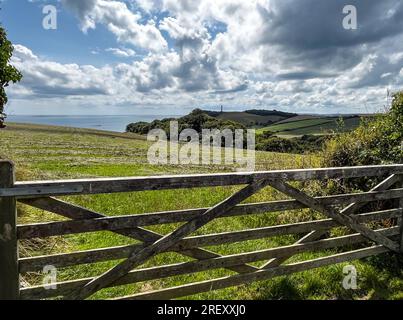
column 249, row 119
column 300, row 117
column 316, row 126
column 53, row 152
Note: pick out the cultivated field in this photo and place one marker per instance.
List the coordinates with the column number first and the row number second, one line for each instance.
column 302, row 125
column 42, row 152
column 249, row 119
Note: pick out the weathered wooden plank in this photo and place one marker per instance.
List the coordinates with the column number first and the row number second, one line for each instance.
column 63, row 208
column 60, row 207
column 236, row 280
column 349, row 221
column 382, row 186
column 92, row 256
column 112, row 185
column 113, row 223
column 138, row 257
column 349, row 210
column 159, row 272
column 147, row 219
column 9, row 276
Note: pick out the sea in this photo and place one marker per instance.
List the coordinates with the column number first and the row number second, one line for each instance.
column 116, row 123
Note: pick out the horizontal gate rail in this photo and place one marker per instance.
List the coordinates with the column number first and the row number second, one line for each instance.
column 112, row 223
column 113, row 185
column 366, row 233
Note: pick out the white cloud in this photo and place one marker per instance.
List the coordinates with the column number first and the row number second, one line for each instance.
column 120, row 20
column 22, row 53
column 122, row 52
column 48, row 78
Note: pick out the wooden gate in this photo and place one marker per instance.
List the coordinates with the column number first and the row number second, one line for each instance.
column 42, row 194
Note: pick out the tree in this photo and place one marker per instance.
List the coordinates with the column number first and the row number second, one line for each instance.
column 8, row 73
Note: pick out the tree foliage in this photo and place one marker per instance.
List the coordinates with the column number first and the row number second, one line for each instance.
column 267, row 141
column 196, row 120
column 376, row 141
column 8, row 73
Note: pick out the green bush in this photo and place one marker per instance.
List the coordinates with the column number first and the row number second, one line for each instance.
column 276, row 144
column 267, row 141
column 377, row 140
column 138, row 127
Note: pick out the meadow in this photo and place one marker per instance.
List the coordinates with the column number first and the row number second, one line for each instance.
column 44, row 152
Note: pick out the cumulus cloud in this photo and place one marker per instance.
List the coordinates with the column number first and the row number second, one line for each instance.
column 49, row 78
column 155, row 74
column 309, row 34
column 120, row 20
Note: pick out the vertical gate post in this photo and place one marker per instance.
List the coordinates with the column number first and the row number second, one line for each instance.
column 9, row 275
column 401, row 217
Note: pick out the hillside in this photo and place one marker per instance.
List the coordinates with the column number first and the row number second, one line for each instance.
column 252, row 118
column 300, row 117
column 30, row 127
column 278, row 122
column 311, row 125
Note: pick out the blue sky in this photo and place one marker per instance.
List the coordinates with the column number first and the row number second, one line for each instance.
column 66, row 44
column 168, row 57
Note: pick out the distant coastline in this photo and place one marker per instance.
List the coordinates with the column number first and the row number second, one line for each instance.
column 115, row 123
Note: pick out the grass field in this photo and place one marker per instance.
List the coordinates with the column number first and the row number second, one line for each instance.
column 299, row 118
column 312, row 126
column 42, row 152
column 249, row 119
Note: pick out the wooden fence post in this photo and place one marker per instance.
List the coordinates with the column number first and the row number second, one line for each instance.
column 9, row 275
column 401, row 218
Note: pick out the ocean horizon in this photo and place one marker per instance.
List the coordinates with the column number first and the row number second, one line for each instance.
column 116, row 123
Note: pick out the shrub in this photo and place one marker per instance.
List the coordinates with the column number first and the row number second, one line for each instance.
column 276, row 144
column 138, row 127
column 267, row 141
column 376, row 141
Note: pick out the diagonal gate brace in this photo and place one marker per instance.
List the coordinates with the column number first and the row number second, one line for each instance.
column 342, row 218
column 138, row 257
column 348, row 210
